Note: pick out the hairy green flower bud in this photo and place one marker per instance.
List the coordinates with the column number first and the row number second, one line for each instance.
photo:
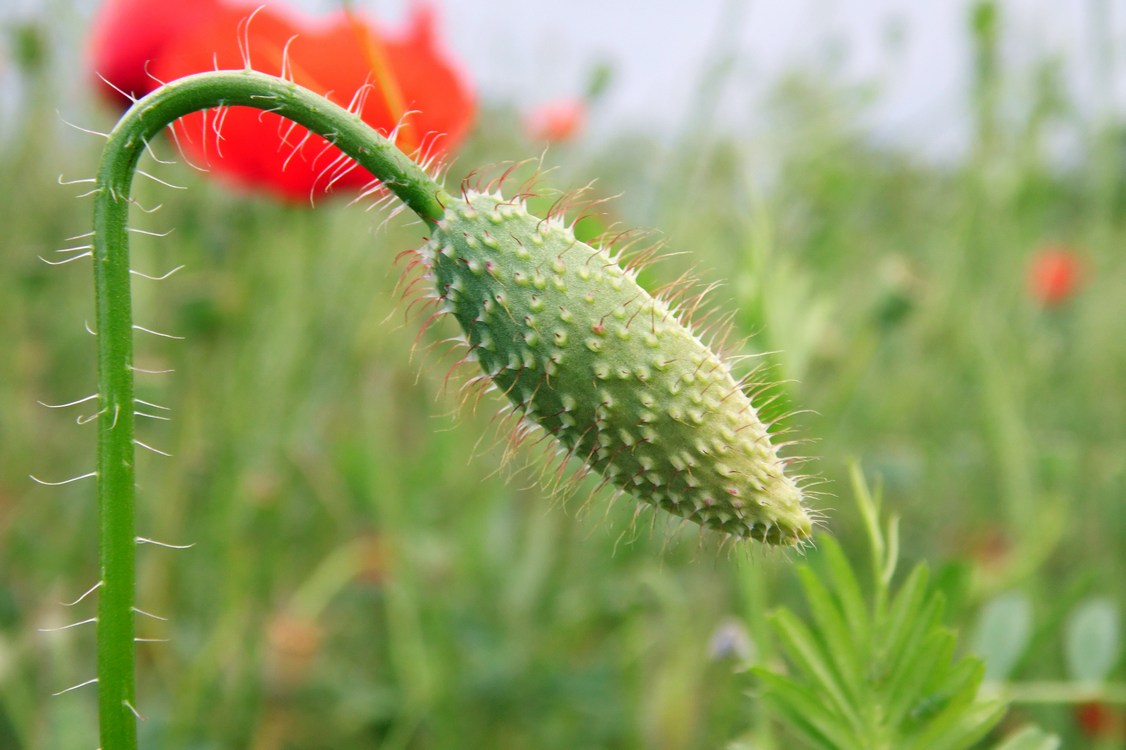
column 584, row 352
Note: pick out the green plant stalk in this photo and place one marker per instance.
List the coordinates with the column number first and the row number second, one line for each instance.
column 115, row 473
column 617, row 376
column 1047, row 691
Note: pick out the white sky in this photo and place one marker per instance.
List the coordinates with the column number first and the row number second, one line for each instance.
column 660, row 51
column 526, row 51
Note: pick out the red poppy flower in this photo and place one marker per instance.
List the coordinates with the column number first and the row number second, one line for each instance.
column 556, row 121
column 406, row 79
column 127, row 35
column 1054, row 275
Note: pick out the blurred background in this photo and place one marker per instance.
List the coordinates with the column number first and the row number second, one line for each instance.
column 917, row 213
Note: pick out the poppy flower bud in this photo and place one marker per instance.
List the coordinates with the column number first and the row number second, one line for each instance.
column 590, row 357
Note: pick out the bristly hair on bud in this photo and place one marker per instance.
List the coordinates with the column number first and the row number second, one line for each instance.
column 616, row 375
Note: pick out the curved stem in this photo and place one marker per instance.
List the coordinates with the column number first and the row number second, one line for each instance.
column 115, row 465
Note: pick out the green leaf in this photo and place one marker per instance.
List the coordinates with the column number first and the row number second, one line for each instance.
column 959, row 726
column 952, row 717
column 912, row 614
column 1030, row 738
column 876, row 671
column 805, row 712
column 833, row 633
column 910, row 679
column 952, row 580
column 846, row 589
column 960, row 683
column 1002, row 634
column 869, row 508
column 803, row 650
column 1092, row 640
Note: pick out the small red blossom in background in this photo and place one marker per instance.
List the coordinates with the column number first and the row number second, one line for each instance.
column 1055, row 273
column 1099, row 721
column 401, row 82
column 556, row 121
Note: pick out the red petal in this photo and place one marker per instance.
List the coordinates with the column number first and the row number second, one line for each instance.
column 330, row 58
column 127, row 35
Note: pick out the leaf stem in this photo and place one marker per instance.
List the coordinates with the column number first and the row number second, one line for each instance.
column 115, row 464
column 1047, row 691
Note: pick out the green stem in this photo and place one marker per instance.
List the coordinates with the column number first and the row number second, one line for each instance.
column 1061, row 692
column 115, row 467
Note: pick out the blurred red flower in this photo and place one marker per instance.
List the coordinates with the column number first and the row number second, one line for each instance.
column 556, row 121
column 127, row 35
column 413, row 86
column 1054, row 275
column 1099, row 720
